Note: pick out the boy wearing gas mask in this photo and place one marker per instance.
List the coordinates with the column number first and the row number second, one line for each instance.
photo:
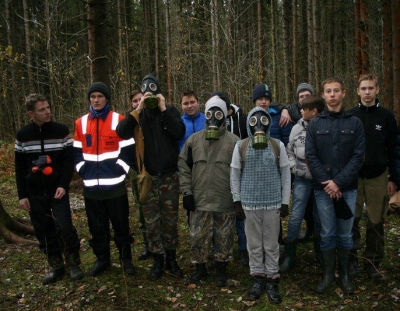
column 162, row 129
column 260, row 185
column 204, row 181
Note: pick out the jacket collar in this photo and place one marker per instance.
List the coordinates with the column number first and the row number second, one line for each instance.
column 374, row 107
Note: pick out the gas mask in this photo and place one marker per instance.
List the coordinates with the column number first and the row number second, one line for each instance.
column 214, row 119
column 259, row 126
column 151, row 84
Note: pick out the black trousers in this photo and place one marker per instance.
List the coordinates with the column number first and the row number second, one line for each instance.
column 51, row 220
column 99, row 214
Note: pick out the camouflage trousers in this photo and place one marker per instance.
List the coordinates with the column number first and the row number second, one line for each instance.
column 202, row 226
column 161, row 213
column 135, row 192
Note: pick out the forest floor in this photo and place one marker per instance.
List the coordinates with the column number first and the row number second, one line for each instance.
column 22, row 269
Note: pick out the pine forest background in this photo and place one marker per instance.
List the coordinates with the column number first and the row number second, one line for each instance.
column 58, row 47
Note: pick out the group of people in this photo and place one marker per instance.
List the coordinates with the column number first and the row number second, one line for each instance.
column 234, row 172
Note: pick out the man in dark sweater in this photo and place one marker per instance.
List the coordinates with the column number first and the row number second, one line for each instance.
column 374, row 186
column 43, row 169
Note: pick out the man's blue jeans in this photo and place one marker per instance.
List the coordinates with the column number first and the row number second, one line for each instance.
column 335, row 233
column 242, row 241
column 302, row 190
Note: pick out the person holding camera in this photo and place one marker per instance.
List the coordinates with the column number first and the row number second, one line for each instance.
column 162, row 128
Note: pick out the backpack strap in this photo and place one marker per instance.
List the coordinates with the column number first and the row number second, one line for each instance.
column 244, row 147
column 276, row 149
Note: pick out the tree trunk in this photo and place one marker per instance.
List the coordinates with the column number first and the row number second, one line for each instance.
column 294, row 43
column 316, row 44
column 156, row 42
column 310, row 41
column 396, row 57
column 286, row 49
column 98, row 41
column 387, row 55
column 168, row 56
column 260, row 42
column 28, row 46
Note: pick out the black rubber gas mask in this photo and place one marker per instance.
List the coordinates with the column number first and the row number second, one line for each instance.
column 214, row 119
column 259, row 126
column 151, row 84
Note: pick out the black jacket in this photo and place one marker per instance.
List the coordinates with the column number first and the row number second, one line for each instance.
column 236, row 122
column 51, row 139
column 335, row 145
column 161, row 131
column 380, row 140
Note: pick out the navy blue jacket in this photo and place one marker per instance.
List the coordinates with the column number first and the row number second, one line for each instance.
column 335, row 146
column 277, row 132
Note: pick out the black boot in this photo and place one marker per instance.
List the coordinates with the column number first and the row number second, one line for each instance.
column 353, row 263
column 289, row 257
column 372, row 269
column 171, row 265
column 221, row 278
column 243, row 258
column 199, row 275
column 72, row 262
column 328, row 260
column 158, row 267
column 125, row 258
column 257, row 287
column 102, row 263
column 57, row 269
column 343, row 267
column 145, row 254
column 273, row 291
column 317, row 250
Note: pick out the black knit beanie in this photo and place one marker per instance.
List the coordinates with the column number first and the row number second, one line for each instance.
column 99, row 87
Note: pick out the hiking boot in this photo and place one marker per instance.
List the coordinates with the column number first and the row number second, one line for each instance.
column 273, row 291
column 199, row 275
column 257, row 288
column 72, row 262
column 373, row 273
column 99, row 267
column 57, row 269
column 221, row 277
column 171, row 264
column 125, row 258
column 158, row 267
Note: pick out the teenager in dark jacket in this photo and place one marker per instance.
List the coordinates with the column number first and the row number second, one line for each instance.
column 43, row 169
column 374, row 186
column 162, row 129
column 335, row 146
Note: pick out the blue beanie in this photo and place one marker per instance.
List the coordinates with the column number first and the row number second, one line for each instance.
column 99, row 87
column 261, row 90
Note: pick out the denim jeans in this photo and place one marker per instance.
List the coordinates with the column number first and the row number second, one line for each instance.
column 335, row 233
column 242, row 242
column 302, row 190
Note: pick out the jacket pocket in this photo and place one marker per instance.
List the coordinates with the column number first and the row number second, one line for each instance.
column 347, row 136
column 323, row 137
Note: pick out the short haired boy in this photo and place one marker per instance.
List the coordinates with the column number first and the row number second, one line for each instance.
column 43, row 170
column 303, row 187
column 335, row 145
column 374, row 186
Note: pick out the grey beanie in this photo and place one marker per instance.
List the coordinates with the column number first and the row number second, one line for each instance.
column 99, row 87
column 216, row 101
column 304, row 87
